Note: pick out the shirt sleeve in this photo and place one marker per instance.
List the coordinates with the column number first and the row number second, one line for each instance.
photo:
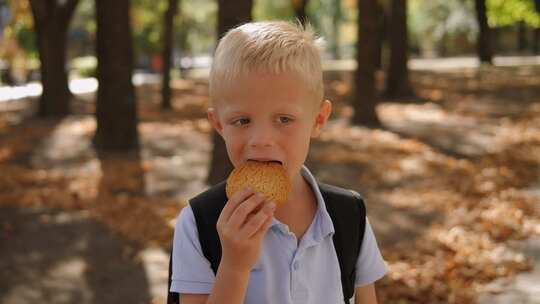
column 191, row 271
column 370, row 265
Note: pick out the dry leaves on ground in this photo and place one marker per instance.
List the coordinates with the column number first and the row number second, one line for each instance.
column 481, row 198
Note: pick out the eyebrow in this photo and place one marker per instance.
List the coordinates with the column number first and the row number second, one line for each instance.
column 235, row 113
column 296, row 109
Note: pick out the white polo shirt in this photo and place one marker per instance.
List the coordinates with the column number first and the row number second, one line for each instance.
column 285, row 272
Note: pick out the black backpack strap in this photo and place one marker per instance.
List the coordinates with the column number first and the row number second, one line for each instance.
column 348, row 213
column 172, row 297
column 206, row 208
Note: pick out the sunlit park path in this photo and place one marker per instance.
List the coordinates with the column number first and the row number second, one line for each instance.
column 416, row 160
column 76, row 86
column 89, row 85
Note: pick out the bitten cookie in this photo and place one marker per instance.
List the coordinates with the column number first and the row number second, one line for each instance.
column 268, row 178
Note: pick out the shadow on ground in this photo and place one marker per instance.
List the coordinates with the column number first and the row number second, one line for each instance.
column 54, row 256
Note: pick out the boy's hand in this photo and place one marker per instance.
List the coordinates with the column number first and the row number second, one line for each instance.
column 241, row 227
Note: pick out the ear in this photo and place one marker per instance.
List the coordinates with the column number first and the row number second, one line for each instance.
column 322, row 117
column 214, row 120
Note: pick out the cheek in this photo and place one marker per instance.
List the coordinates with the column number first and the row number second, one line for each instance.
column 233, row 141
column 298, row 141
column 302, row 133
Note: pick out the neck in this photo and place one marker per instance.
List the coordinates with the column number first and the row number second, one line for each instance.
column 298, row 197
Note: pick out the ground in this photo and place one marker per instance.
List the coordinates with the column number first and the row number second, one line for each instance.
column 451, row 184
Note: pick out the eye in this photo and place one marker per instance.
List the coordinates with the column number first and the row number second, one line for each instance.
column 241, row 121
column 284, row 119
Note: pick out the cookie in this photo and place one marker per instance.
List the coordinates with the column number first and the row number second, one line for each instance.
column 268, row 178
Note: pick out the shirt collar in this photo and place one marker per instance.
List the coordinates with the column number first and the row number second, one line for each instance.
column 322, row 223
column 325, row 226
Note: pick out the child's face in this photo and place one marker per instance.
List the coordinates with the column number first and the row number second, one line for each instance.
column 269, row 117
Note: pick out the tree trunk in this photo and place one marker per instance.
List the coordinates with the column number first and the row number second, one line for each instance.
column 382, row 33
column 51, row 22
column 336, row 22
column 536, row 41
column 233, row 13
column 536, row 32
column 366, row 55
column 168, row 29
column 483, row 45
column 229, row 16
column 116, row 110
column 397, row 78
column 521, row 36
column 299, row 7
column 443, row 43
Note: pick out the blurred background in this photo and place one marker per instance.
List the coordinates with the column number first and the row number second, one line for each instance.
column 104, row 138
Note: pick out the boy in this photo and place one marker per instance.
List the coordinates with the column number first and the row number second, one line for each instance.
column 267, row 102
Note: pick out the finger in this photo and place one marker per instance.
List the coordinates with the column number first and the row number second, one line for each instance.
column 241, row 213
column 234, row 201
column 264, row 228
column 258, row 220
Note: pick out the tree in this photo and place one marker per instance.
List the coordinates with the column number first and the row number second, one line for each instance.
column 382, row 33
column 521, row 36
column 483, row 44
column 229, row 16
column 397, row 78
column 51, row 22
column 168, row 29
column 366, row 53
column 336, row 23
column 536, row 32
column 232, row 13
column 536, row 41
column 299, row 7
column 116, row 111
column 508, row 12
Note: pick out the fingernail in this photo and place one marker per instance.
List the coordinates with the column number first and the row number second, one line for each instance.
column 271, row 206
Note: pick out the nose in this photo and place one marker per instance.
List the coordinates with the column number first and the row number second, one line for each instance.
column 261, row 136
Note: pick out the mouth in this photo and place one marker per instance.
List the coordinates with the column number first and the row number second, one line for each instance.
column 266, row 160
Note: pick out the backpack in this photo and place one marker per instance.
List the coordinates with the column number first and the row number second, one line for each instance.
column 345, row 207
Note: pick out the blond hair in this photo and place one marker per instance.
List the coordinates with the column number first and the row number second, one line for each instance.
column 270, row 47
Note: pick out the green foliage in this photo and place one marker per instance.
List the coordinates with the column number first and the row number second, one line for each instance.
column 82, row 30
column 84, row 17
column 147, row 23
column 273, row 9
column 442, row 24
column 85, row 66
column 26, row 38
column 321, row 22
column 507, row 12
column 320, row 14
column 437, row 17
column 431, row 22
column 196, row 29
column 20, row 27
